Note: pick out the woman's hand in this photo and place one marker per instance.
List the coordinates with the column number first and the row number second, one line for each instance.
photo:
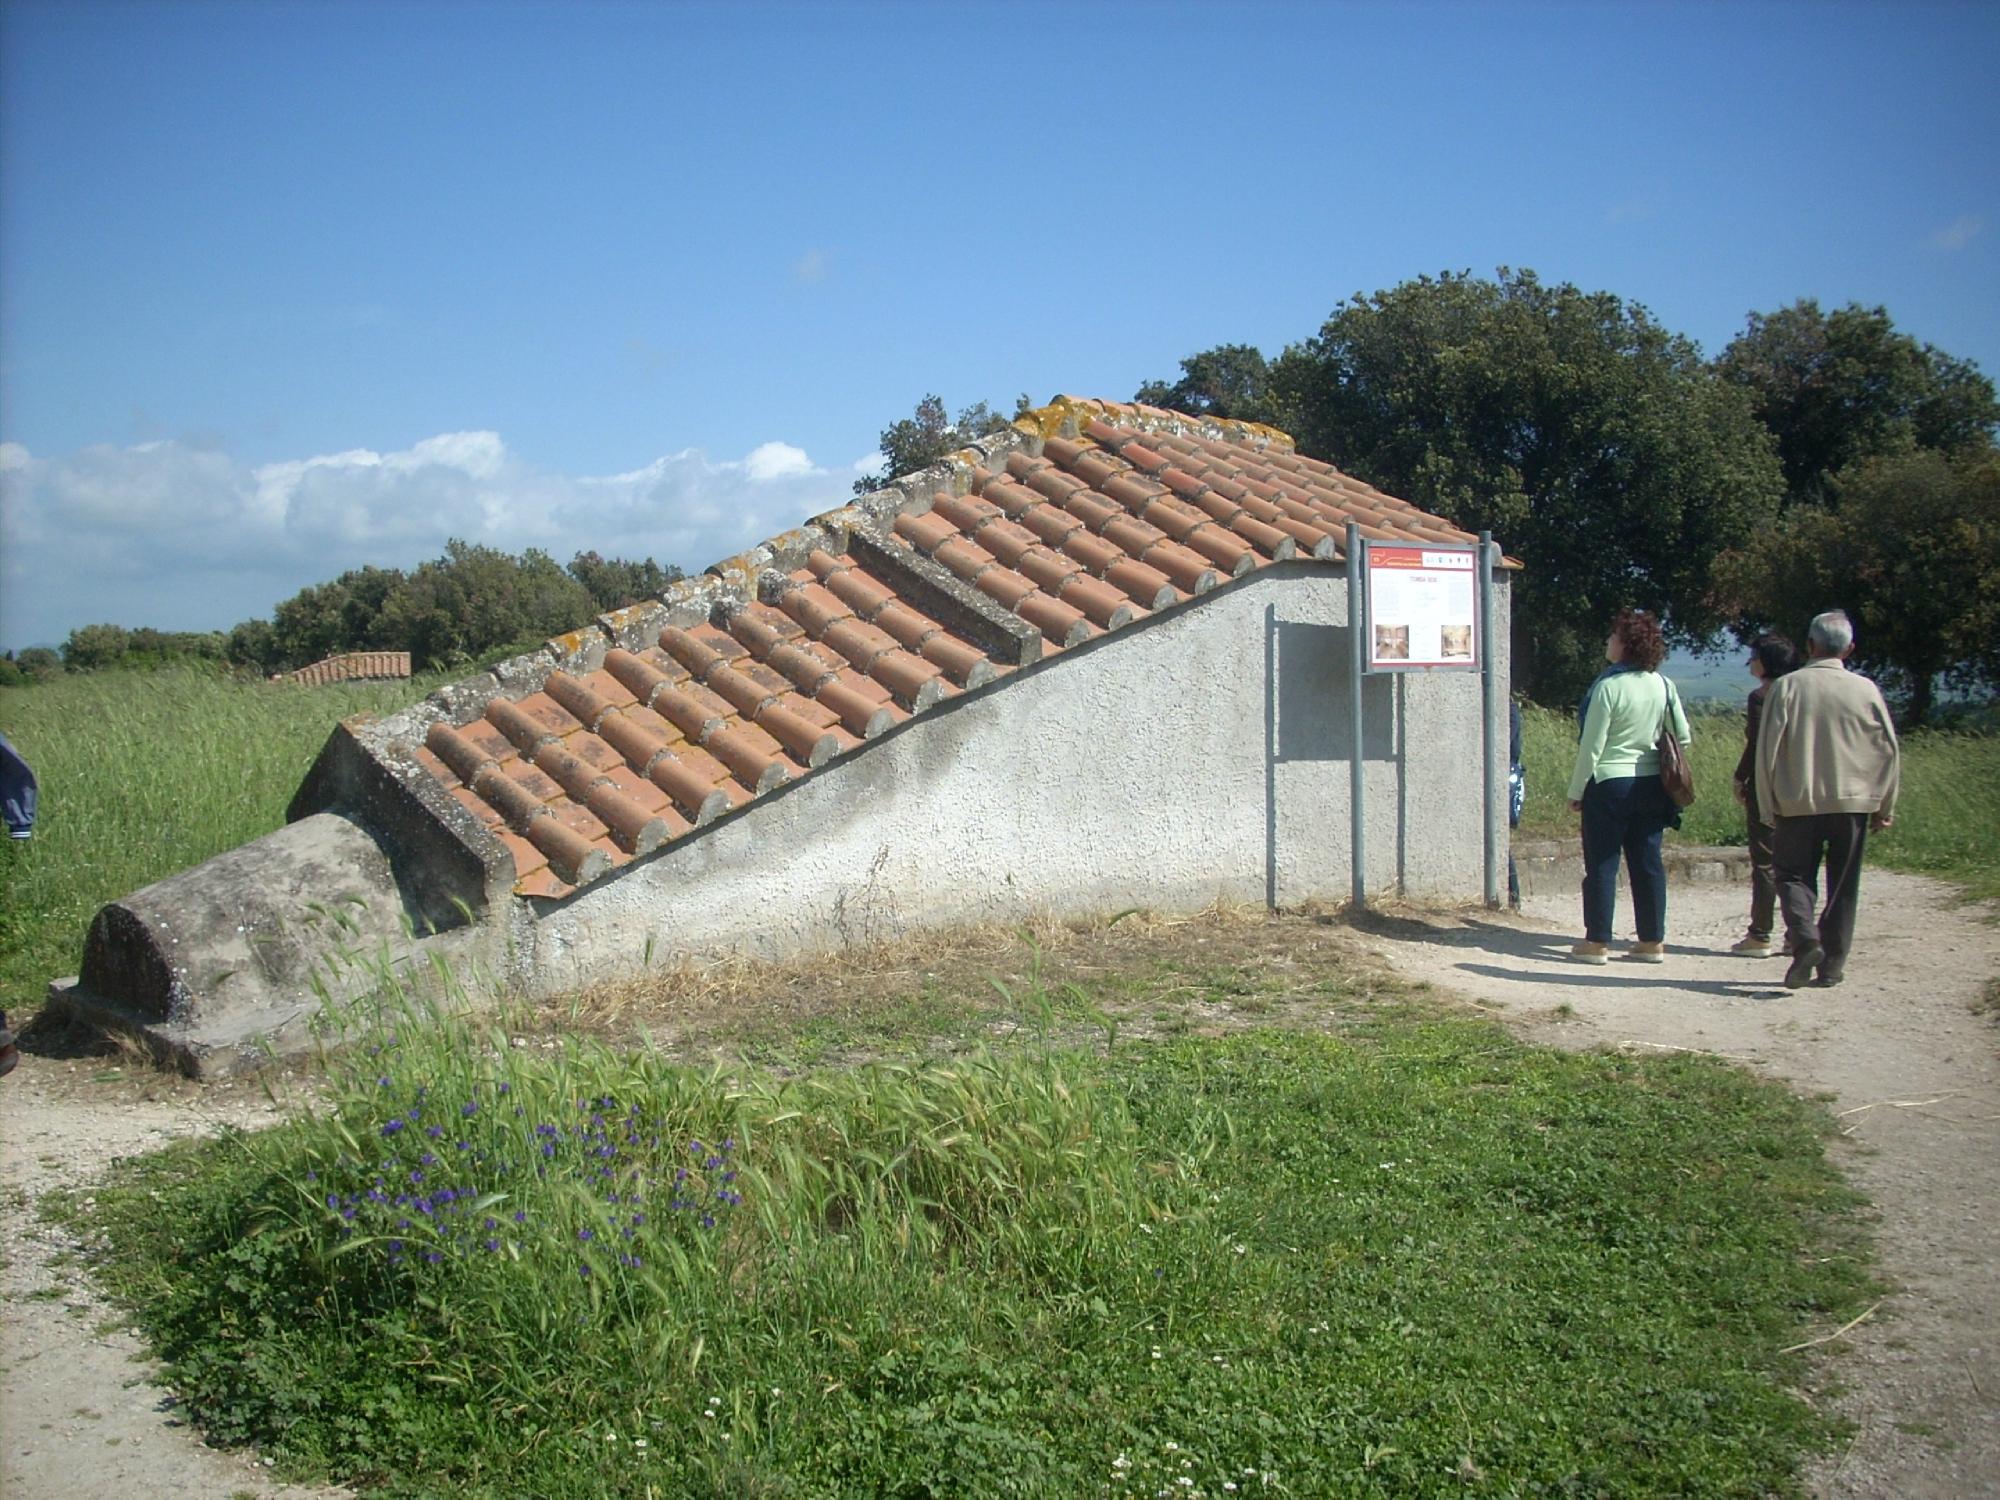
column 1575, row 806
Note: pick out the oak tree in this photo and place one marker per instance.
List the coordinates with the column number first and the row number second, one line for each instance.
column 1843, row 387
column 1909, row 546
column 1597, row 446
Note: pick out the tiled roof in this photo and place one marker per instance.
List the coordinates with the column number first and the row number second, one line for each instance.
column 351, row 666
column 1087, row 517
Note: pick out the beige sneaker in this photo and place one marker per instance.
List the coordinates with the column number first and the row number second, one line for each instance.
column 1752, row 947
column 1587, row 952
column 1648, row 953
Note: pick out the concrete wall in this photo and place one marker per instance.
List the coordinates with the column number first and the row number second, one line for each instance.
column 1200, row 755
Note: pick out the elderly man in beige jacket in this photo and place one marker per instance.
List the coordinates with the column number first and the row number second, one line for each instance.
column 1828, row 767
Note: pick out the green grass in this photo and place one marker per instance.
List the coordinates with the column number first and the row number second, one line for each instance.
column 1945, row 815
column 144, row 774
column 1423, row 1259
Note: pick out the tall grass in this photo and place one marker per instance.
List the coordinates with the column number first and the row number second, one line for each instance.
column 144, row 774
column 1416, row 1262
column 1946, row 816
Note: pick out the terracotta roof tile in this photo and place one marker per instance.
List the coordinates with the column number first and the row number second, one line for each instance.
column 1089, row 518
column 351, row 666
column 472, row 803
column 444, row 773
column 542, row 881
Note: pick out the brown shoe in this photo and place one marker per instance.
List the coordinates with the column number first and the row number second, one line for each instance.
column 1587, row 952
column 1648, row 953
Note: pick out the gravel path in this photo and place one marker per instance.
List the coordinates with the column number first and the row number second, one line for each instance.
column 1912, row 1069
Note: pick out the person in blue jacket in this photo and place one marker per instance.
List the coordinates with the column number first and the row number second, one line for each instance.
column 17, row 792
column 17, row 806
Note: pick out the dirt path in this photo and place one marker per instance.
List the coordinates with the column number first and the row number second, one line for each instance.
column 83, row 1417
column 1914, row 1072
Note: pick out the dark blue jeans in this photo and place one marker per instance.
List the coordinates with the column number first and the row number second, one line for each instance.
column 1625, row 817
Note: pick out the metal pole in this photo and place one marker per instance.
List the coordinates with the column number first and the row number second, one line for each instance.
column 1488, row 805
column 1357, row 624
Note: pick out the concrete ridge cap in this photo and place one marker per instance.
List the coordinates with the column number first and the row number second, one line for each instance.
column 1068, row 416
column 406, row 725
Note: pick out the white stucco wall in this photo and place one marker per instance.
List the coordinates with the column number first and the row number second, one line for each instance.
column 1202, row 754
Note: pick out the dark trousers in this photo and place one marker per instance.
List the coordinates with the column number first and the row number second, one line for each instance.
column 1624, row 818
column 1763, row 879
column 1798, row 846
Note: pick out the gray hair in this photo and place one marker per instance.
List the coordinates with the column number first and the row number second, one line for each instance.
column 1831, row 632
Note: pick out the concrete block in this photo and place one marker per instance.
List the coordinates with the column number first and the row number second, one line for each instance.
column 1555, row 866
column 521, row 675
column 226, row 964
column 447, row 861
column 634, row 627
column 462, row 702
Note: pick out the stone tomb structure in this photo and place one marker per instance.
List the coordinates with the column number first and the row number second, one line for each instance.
column 1099, row 660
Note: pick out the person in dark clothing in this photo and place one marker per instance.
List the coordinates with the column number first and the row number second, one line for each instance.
column 1517, row 796
column 17, row 792
column 17, row 807
column 1771, row 657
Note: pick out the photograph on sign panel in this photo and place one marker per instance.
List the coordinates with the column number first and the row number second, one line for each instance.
column 1455, row 642
column 1392, row 643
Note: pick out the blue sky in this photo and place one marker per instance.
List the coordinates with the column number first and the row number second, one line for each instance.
column 287, row 288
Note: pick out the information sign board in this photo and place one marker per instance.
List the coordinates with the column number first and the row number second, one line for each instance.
column 1422, row 609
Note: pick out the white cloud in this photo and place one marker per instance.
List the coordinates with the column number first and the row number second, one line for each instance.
column 812, row 266
column 178, row 537
column 1958, row 234
column 775, row 461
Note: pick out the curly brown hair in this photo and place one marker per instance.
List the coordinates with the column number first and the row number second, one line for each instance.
column 1645, row 645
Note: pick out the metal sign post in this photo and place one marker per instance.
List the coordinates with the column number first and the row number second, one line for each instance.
column 1358, row 660
column 1489, row 822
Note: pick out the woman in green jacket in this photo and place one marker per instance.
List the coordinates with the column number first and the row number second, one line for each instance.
column 1616, row 786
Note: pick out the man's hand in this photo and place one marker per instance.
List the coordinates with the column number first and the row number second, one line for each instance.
column 1742, row 794
column 1879, row 821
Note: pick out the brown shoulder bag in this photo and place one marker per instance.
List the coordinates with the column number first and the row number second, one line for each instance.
column 1676, row 771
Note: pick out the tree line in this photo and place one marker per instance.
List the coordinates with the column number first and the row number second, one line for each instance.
column 446, row 613
column 1822, row 460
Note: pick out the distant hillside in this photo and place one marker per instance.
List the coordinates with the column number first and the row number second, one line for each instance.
column 1720, row 678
